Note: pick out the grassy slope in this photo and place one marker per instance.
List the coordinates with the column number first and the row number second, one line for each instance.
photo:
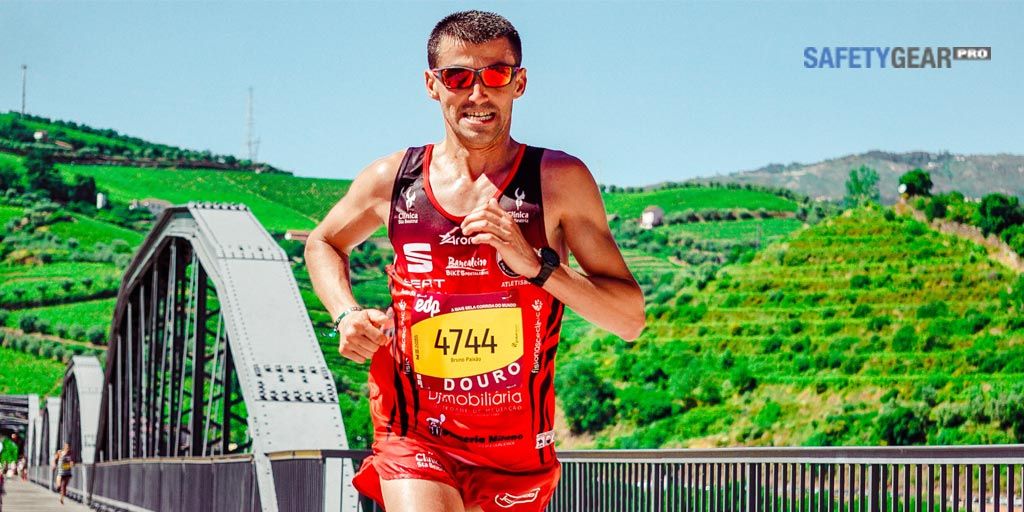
column 30, row 374
column 182, row 186
column 672, row 200
column 791, row 318
column 9, row 212
column 89, row 231
column 91, row 313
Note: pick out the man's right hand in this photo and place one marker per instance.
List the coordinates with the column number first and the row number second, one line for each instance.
column 361, row 333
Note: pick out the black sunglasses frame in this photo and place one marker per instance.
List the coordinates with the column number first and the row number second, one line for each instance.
column 477, row 76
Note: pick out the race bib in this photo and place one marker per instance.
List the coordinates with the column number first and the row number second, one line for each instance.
column 468, row 342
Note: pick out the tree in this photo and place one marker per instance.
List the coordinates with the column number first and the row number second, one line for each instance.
column 862, row 187
column 82, row 189
column 40, row 175
column 9, row 177
column 588, row 399
column 998, row 212
column 918, row 182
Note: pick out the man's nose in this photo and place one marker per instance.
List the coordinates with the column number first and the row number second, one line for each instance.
column 479, row 91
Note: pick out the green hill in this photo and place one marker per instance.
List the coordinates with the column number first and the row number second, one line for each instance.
column 864, row 329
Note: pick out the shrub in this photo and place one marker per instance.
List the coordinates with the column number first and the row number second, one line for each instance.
column 998, row 212
column 933, row 309
column 831, row 328
column 901, row 426
column 644, row 404
column 29, row 323
column 852, row 364
column 96, row 335
column 905, row 339
column 772, row 344
column 588, row 399
column 879, row 322
column 860, row 281
column 768, row 415
column 742, row 379
column 861, row 311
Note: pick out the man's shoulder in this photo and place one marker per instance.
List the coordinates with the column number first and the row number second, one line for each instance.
column 386, row 165
column 562, row 168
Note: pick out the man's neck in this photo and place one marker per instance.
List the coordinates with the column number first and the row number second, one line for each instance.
column 473, row 162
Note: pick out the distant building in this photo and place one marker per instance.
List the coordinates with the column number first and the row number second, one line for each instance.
column 299, row 235
column 101, row 200
column 155, row 206
column 652, row 216
column 40, row 135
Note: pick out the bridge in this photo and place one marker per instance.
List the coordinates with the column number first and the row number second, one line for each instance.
column 214, row 395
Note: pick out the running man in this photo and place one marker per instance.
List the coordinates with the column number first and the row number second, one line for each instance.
column 461, row 393
column 64, row 461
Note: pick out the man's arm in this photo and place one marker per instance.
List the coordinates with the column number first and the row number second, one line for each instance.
column 606, row 294
column 349, row 223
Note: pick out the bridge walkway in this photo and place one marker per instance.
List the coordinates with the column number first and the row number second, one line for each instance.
column 29, row 497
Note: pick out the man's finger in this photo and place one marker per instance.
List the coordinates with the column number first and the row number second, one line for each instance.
column 376, row 317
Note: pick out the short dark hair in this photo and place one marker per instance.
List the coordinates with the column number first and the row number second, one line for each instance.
column 474, row 27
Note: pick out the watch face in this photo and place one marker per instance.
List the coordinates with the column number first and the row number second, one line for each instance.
column 549, row 256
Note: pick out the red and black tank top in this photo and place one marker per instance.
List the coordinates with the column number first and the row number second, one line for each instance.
column 471, row 365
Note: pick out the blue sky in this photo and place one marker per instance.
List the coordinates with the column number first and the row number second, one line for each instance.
column 642, row 92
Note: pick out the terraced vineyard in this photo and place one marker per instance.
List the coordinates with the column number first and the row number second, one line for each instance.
column 857, row 331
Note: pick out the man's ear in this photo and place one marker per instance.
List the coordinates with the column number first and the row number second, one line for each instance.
column 431, row 81
column 520, row 83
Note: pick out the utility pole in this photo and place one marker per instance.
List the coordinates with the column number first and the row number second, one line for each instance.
column 24, row 80
column 252, row 145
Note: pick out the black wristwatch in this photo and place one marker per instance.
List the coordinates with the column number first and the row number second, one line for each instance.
column 549, row 261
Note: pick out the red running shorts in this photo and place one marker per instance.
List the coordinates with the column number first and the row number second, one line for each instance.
column 494, row 490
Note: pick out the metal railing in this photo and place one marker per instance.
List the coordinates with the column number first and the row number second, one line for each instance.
column 862, row 479
column 213, row 484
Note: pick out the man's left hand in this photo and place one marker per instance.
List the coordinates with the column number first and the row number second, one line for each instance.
column 489, row 224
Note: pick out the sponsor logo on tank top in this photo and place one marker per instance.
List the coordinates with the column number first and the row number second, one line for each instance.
column 518, row 215
column 426, row 284
column 417, row 255
column 508, row 500
column 537, row 306
column 484, row 380
column 428, row 305
column 545, row 439
column 408, row 215
column 485, row 399
column 450, row 238
column 471, row 266
column 434, row 425
column 505, row 269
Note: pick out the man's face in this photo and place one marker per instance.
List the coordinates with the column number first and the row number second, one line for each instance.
column 480, row 116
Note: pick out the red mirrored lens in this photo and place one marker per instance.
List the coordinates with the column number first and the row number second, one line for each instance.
column 496, row 76
column 455, row 78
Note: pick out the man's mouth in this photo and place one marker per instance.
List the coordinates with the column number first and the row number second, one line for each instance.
column 479, row 117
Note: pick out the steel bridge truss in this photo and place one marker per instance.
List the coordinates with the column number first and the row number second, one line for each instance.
column 211, row 352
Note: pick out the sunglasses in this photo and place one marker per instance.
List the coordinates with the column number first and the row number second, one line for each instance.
column 458, row 77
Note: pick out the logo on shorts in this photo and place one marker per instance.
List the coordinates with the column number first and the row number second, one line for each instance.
column 434, row 425
column 417, row 255
column 424, row 460
column 508, row 500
